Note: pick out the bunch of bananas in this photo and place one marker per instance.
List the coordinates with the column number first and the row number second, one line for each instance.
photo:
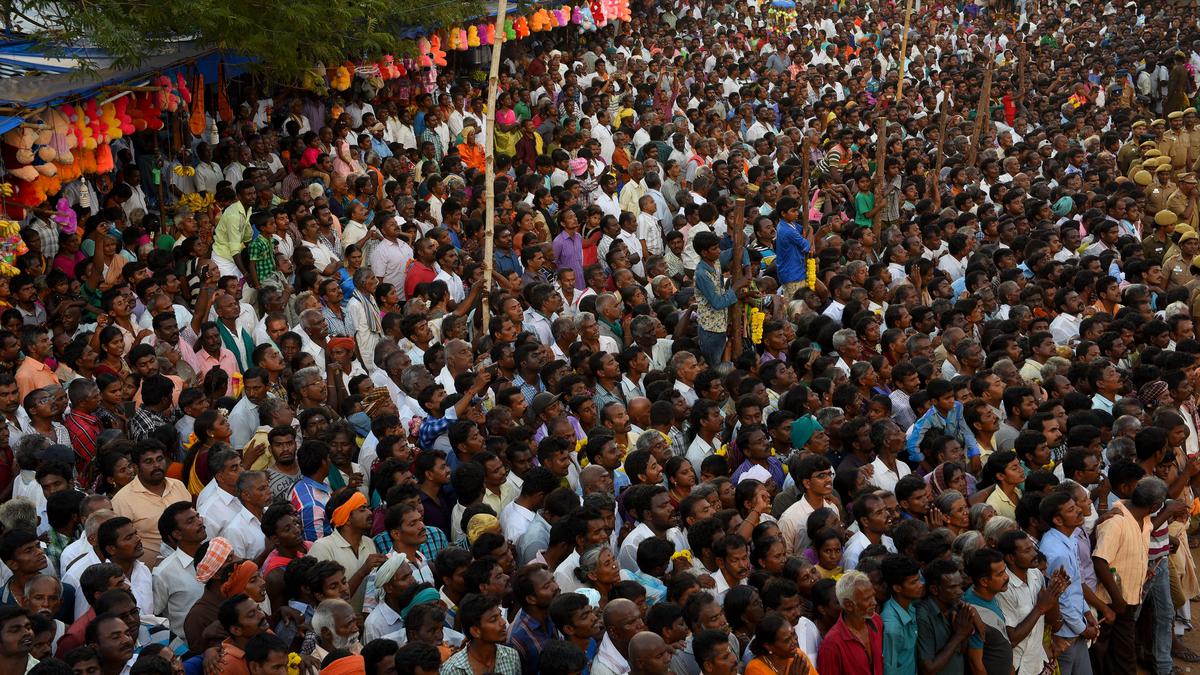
column 184, row 171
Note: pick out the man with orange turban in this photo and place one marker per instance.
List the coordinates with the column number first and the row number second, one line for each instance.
column 350, row 542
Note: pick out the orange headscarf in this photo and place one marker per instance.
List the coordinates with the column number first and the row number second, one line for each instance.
column 342, row 513
column 242, row 573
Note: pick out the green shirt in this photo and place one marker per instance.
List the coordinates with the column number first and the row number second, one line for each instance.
column 863, row 203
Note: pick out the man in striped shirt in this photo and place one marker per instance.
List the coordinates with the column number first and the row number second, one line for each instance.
column 81, row 424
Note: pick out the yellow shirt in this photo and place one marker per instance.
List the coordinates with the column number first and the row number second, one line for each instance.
column 1125, row 545
column 1003, row 505
column 232, row 232
column 137, row 503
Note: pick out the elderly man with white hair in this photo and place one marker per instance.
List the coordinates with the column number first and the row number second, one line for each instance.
column 392, row 579
column 841, row 651
column 845, row 343
column 336, row 624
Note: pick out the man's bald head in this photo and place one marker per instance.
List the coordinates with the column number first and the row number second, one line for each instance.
column 592, row 479
column 648, row 654
column 639, row 411
column 622, row 620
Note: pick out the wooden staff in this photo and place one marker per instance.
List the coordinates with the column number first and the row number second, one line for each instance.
column 982, row 111
column 805, row 171
column 737, row 227
column 908, row 5
column 1022, row 57
column 489, row 151
column 880, row 159
column 935, row 185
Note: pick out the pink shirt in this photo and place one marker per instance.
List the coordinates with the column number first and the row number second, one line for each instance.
column 205, row 362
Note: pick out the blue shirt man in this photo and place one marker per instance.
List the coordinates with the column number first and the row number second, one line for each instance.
column 791, row 246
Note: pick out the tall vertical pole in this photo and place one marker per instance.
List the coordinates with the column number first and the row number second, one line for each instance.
column 489, row 150
column 983, row 112
column 908, row 6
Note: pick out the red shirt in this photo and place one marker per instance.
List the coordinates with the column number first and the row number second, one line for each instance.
column 83, row 429
column 75, row 633
column 417, row 273
column 841, row 652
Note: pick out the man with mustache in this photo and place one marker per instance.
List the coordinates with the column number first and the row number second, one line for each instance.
column 243, row 619
column 336, row 625
column 145, row 498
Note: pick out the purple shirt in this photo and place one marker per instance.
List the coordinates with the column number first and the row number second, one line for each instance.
column 568, row 253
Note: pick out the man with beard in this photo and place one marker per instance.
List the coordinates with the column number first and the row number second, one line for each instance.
column 283, row 476
column 336, row 625
column 535, row 589
column 657, row 518
column 145, row 498
column 243, row 619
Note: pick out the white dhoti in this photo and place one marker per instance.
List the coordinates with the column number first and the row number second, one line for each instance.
column 227, row 267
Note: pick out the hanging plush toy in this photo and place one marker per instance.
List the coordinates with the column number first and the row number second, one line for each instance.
column 490, row 32
column 151, row 111
column 435, row 46
column 521, row 27
column 452, row 39
column 610, row 9
column 122, row 108
column 65, row 217
column 598, row 13
column 18, row 153
column 168, row 99
column 112, row 125
column 473, row 36
column 62, row 136
column 425, row 60
column 537, row 22
column 184, row 92
column 623, row 10
column 587, row 20
column 342, row 78
column 562, row 15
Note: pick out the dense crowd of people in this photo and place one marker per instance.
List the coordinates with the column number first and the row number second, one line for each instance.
column 806, row 345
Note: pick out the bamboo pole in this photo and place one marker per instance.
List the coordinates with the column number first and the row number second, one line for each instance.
column 908, row 6
column 935, row 185
column 983, row 110
column 489, row 149
column 880, row 160
column 737, row 227
column 805, row 169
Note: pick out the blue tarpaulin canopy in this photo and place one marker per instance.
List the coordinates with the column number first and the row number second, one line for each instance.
column 33, row 78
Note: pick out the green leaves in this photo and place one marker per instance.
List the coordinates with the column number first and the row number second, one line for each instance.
column 285, row 38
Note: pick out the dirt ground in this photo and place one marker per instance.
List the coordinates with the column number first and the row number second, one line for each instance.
column 1191, row 639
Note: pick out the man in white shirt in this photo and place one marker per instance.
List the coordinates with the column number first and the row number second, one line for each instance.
column 390, row 256
column 244, row 418
column 174, row 579
column 1065, row 326
column 1021, row 598
column 601, row 133
column 516, row 517
column 218, row 502
column 870, row 513
column 244, row 531
column 658, row 519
